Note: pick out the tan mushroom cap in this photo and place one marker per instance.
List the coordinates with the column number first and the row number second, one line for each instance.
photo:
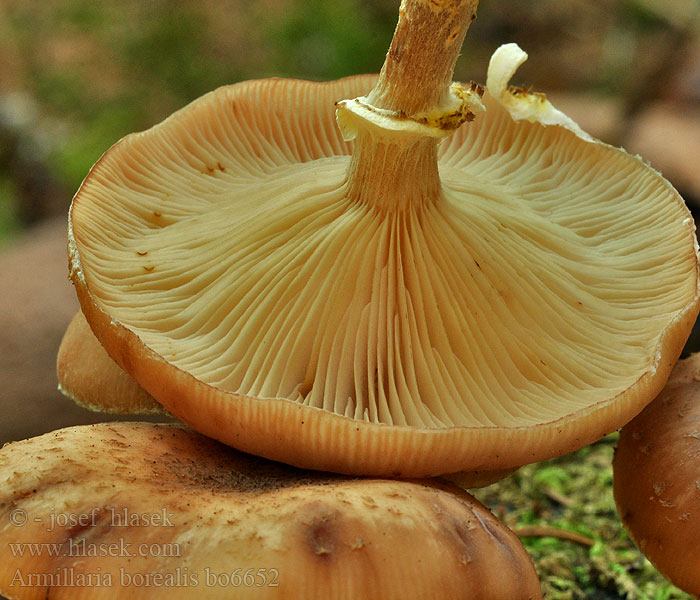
column 538, row 304
column 657, row 478
column 88, row 376
column 159, row 511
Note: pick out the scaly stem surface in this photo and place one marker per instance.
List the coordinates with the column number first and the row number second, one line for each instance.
column 420, row 63
column 390, row 172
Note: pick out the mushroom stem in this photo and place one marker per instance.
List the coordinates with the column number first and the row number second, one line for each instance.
column 419, row 65
column 398, row 125
column 393, row 176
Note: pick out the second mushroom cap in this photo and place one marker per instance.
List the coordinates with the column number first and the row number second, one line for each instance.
column 150, row 511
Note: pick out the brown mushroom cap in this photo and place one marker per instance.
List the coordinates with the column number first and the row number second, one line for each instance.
column 160, row 511
column 536, row 306
column 657, row 478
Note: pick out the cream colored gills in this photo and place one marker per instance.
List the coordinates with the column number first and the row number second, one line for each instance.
column 317, row 262
column 467, row 310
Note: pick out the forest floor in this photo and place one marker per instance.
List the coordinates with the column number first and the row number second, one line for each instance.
column 564, row 512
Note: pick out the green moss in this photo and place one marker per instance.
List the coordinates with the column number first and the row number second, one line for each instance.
column 574, row 493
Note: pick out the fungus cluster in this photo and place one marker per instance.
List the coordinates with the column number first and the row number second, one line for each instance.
column 381, row 276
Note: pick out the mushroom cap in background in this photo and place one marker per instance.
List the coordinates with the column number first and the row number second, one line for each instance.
column 88, row 376
column 537, row 307
column 657, row 478
column 207, row 521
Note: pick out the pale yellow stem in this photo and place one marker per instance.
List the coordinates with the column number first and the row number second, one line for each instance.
column 393, row 172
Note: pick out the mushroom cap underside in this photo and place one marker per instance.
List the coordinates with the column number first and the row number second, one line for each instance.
column 88, row 376
column 537, row 306
column 160, row 511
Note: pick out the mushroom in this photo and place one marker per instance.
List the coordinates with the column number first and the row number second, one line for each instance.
column 421, row 299
column 160, row 511
column 89, row 377
column 657, row 478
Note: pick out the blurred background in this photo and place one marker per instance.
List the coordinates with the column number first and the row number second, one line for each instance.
column 76, row 75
